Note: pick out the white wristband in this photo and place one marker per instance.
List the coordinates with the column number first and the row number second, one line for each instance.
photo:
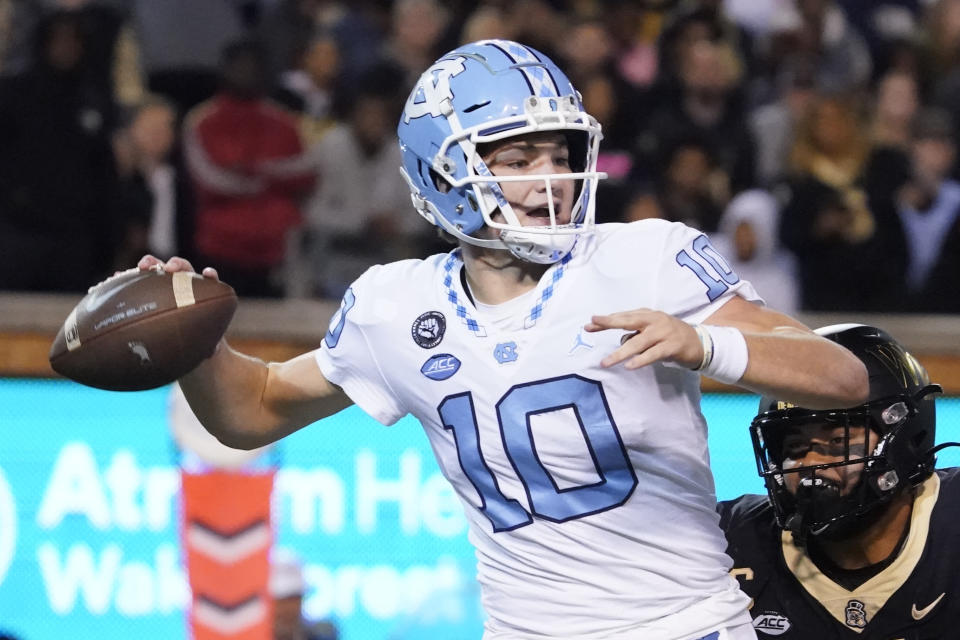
column 706, row 341
column 725, row 353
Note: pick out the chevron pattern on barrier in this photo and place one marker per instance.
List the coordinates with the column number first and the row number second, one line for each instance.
column 227, row 538
column 230, row 548
column 229, row 620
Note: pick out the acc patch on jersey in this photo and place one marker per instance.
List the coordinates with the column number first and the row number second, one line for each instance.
column 771, row 623
column 440, row 366
column 428, row 329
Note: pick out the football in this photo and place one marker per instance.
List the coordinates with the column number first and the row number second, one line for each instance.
column 142, row 329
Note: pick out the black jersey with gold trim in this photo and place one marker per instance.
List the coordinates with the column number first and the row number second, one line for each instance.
column 915, row 597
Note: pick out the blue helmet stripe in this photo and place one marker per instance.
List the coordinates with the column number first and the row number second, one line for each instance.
column 514, row 60
column 538, row 71
column 539, row 80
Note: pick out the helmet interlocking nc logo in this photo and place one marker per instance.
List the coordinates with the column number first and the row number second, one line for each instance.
column 428, row 98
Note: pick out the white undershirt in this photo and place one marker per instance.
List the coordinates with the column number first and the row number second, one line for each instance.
column 509, row 315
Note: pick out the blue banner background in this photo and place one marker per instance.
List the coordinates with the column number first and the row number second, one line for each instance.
column 89, row 513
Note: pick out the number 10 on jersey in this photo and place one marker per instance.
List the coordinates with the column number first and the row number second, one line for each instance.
column 585, row 398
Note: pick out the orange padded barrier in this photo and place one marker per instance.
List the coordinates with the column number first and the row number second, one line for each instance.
column 227, row 537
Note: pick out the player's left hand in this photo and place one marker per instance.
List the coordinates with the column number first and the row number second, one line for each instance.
column 656, row 337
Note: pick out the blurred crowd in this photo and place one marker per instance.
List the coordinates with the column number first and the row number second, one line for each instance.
column 812, row 140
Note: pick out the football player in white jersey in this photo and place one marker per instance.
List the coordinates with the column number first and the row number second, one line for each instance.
column 553, row 363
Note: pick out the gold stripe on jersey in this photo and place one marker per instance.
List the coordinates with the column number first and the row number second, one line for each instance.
column 873, row 594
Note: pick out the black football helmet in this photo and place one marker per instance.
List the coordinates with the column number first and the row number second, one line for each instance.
column 899, row 409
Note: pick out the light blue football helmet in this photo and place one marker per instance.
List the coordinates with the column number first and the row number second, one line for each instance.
column 484, row 92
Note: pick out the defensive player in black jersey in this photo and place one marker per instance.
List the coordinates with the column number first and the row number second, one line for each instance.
column 859, row 536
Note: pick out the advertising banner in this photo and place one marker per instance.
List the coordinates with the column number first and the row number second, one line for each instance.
column 91, row 514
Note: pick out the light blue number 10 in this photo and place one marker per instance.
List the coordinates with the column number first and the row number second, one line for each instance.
column 715, row 286
column 587, row 401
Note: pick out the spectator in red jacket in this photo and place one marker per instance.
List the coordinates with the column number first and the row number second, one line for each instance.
column 245, row 157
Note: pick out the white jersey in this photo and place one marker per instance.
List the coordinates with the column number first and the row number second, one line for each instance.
column 588, row 490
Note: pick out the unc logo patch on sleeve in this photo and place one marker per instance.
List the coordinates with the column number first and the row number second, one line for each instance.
column 428, row 329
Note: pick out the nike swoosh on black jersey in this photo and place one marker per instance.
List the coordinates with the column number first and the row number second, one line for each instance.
column 919, row 614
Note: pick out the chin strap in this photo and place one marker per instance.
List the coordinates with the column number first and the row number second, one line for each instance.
column 794, row 525
column 805, row 499
column 796, row 522
column 797, row 525
column 538, row 248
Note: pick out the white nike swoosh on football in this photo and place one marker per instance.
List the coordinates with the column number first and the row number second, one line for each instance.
column 97, row 299
column 921, row 613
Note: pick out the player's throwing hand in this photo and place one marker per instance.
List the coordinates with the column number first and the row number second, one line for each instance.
column 172, row 265
column 656, row 337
